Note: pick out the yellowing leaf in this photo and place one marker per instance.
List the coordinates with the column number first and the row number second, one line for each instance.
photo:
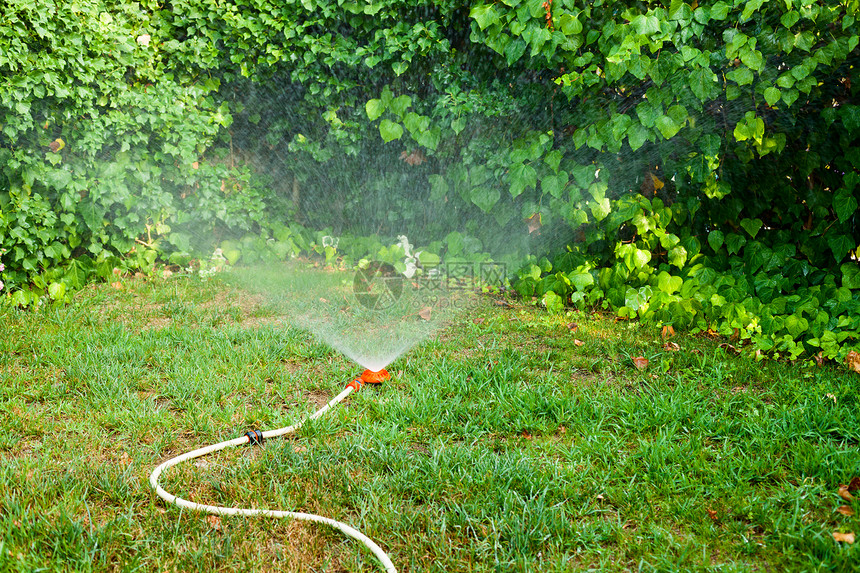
column 845, row 510
column 852, row 360
column 844, row 537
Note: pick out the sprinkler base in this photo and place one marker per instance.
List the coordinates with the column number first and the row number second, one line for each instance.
column 370, row 377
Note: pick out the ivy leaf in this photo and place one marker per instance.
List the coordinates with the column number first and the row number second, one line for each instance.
column 484, row 14
column 438, row 187
column 734, row 242
column 678, row 256
column 669, row 284
column 772, row 95
column 667, row 126
column 636, row 136
column 522, row 176
column 844, row 204
column 715, row 240
column 390, row 130
column 751, row 226
column 485, row 197
column 840, row 245
column 719, row 11
column 514, row 50
column 702, row 82
column 554, row 184
column 374, row 109
column 850, row 275
column 600, row 209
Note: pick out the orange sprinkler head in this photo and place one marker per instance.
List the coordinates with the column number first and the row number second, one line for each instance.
column 371, row 377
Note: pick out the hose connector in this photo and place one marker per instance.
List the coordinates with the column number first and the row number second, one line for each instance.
column 255, row 437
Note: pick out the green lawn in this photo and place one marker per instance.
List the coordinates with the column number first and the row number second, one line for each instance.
column 500, row 445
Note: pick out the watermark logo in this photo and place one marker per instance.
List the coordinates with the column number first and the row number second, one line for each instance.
column 378, row 286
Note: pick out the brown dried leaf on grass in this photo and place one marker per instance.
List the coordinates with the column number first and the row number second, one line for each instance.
column 425, row 312
column 845, row 491
column 640, row 362
column 845, row 510
column 844, row 537
column 852, row 360
column 712, row 513
column 668, row 331
column 578, row 342
column 671, row 347
column 572, row 326
column 214, row 522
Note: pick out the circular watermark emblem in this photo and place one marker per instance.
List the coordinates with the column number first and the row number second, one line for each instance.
column 378, row 286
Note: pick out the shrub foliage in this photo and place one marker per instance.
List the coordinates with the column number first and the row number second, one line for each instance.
column 693, row 164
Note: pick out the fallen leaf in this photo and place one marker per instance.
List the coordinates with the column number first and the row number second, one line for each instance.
column 846, row 537
column 671, row 347
column 202, row 464
column 712, row 513
column 640, row 362
column 845, row 493
column 479, row 320
column 425, row 312
column 117, row 285
column 853, row 360
column 534, row 223
column 819, row 358
column 195, row 165
column 125, row 459
column 600, row 497
column 57, row 145
column 503, row 303
column 854, row 484
column 668, row 331
column 214, row 522
column 414, row 158
column 572, row 326
column 323, row 300
column 845, row 510
column 578, row 342
column 166, row 273
column 830, row 396
column 730, row 348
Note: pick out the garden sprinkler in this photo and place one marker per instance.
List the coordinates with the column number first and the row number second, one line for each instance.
column 257, row 437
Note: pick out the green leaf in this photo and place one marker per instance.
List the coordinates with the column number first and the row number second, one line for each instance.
column 796, row 325
column 719, row 11
column 390, row 130
column 840, row 244
column 569, row 24
column 485, row 197
column 645, row 25
column 844, row 204
column 600, row 209
column 790, row 96
column 678, row 256
column 637, row 135
column 772, row 95
column 850, row 275
column 668, row 283
column 741, row 76
column 702, row 83
column 751, row 226
column 789, row 19
column 522, row 176
column 667, row 126
column 438, row 187
column 581, row 280
column 715, row 240
column 734, row 243
column 553, row 303
column 484, row 14
column 514, row 50
column 554, row 184
column 374, row 109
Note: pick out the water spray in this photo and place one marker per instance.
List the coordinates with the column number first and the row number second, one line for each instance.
column 256, row 437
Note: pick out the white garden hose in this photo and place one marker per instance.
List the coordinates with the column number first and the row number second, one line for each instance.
column 255, row 437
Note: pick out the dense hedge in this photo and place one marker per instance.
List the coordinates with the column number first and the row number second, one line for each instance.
column 694, row 164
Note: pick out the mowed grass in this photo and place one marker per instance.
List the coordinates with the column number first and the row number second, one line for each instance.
column 500, row 445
